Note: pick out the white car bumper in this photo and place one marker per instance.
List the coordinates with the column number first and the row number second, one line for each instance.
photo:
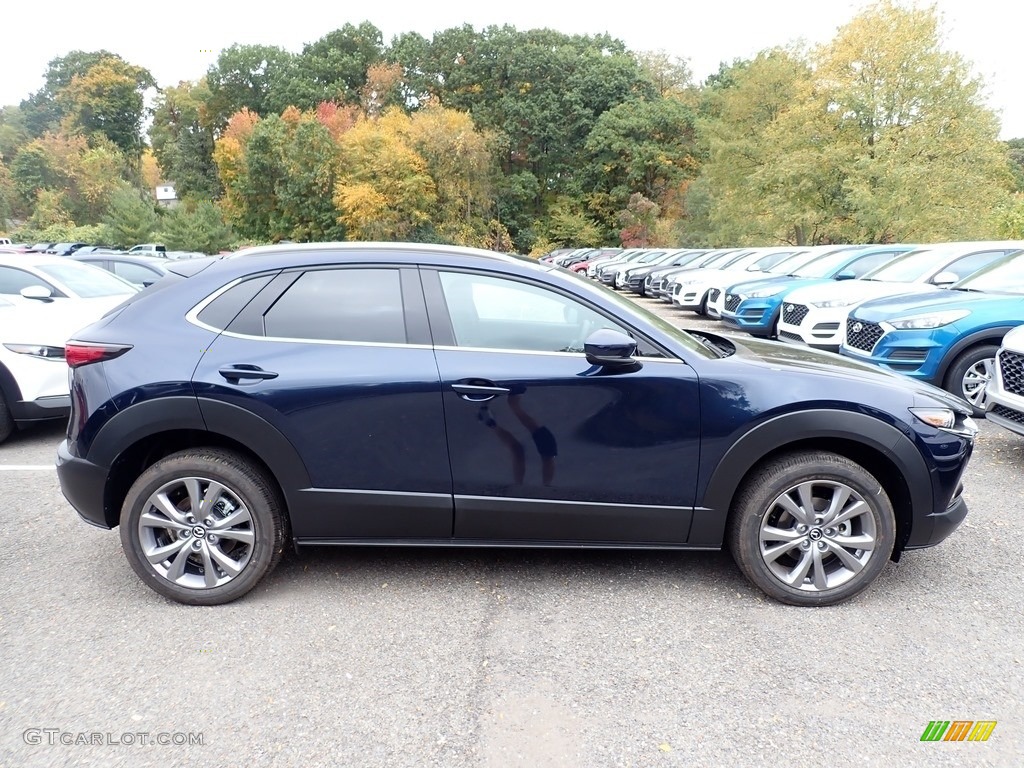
column 821, row 328
column 1006, row 392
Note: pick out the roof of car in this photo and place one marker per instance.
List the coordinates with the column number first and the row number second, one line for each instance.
column 153, row 261
column 30, row 259
column 282, row 248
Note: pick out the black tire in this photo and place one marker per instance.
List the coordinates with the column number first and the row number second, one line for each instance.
column 962, row 366
column 6, row 420
column 702, row 310
column 256, row 541
column 828, row 578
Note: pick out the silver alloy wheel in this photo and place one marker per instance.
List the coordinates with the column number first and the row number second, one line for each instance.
column 817, row 535
column 196, row 533
column 975, row 382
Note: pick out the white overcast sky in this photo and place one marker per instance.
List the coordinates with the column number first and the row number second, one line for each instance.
column 172, row 38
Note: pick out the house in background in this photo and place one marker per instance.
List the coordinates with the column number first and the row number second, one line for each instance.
column 166, row 196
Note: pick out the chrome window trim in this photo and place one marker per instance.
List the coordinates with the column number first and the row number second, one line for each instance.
column 192, row 316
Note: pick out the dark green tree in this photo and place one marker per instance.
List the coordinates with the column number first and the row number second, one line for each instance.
column 130, row 219
column 182, row 137
column 647, row 147
column 244, row 76
column 196, row 225
column 331, row 69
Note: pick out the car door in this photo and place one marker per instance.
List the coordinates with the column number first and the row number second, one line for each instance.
column 338, row 361
column 544, row 446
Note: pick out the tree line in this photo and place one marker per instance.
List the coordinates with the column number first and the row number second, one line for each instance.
column 520, row 140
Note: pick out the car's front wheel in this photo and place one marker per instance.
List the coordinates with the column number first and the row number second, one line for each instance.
column 811, row 528
column 203, row 526
column 970, row 374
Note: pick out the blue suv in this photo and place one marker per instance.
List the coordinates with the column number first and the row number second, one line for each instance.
column 756, row 305
column 400, row 394
column 947, row 338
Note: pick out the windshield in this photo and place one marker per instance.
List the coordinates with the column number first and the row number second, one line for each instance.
column 86, row 281
column 1006, row 276
column 793, row 262
column 907, row 268
column 765, row 263
column 652, row 256
column 824, row 266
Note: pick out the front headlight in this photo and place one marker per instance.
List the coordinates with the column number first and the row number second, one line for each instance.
column 833, row 303
column 945, row 419
column 761, row 293
column 37, row 350
column 933, row 320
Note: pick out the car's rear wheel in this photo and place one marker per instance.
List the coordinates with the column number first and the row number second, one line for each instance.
column 970, row 374
column 203, row 526
column 811, row 528
column 6, row 420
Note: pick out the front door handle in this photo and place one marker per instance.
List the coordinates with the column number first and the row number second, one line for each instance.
column 477, row 393
column 235, row 373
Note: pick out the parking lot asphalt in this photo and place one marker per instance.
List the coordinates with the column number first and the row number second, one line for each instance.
column 391, row 657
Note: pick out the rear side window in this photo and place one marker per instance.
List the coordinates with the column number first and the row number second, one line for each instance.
column 341, row 305
column 222, row 310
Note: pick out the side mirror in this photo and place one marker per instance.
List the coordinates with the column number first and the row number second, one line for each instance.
column 610, row 349
column 945, row 279
column 846, row 275
column 37, row 292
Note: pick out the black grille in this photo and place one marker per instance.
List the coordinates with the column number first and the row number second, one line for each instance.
column 732, row 302
column 909, row 355
column 787, row 336
column 1011, row 368
column 794, row 314
column 713, row 295
column 863, row 335
column 1008, row 413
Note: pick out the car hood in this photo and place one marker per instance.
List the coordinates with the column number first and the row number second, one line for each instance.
column 721, row 276
column 782, row 283
column 780, row 356
column 878, row 310
column 855, row 290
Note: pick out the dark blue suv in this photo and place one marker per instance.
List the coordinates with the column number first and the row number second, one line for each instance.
column 366, row 394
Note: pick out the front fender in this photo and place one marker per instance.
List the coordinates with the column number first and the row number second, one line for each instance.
column 708, row 529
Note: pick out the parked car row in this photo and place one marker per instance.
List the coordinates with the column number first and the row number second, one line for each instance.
column 934, row 312
column 67, row 249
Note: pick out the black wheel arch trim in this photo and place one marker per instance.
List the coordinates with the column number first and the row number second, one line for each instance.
column 171, row 414
column 8, row 386
column 708, row 528
column 990, row 335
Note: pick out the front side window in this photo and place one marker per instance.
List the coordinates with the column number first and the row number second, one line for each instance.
column 362, row 305
column 494, row 313
column 12, row 281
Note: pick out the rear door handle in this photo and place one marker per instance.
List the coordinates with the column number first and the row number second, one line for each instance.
column 477, row 393
column 235, row 373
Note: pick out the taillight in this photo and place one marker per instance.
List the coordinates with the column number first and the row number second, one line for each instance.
column 78, row 353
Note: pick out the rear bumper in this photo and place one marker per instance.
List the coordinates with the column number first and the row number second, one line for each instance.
column 82, row 484
column 43, row 409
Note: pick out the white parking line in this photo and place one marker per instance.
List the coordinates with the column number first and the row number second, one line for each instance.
column 27, row 467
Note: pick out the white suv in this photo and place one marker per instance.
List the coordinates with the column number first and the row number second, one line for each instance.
column 815, row 315
column 43, row 301
column 1006, row 389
